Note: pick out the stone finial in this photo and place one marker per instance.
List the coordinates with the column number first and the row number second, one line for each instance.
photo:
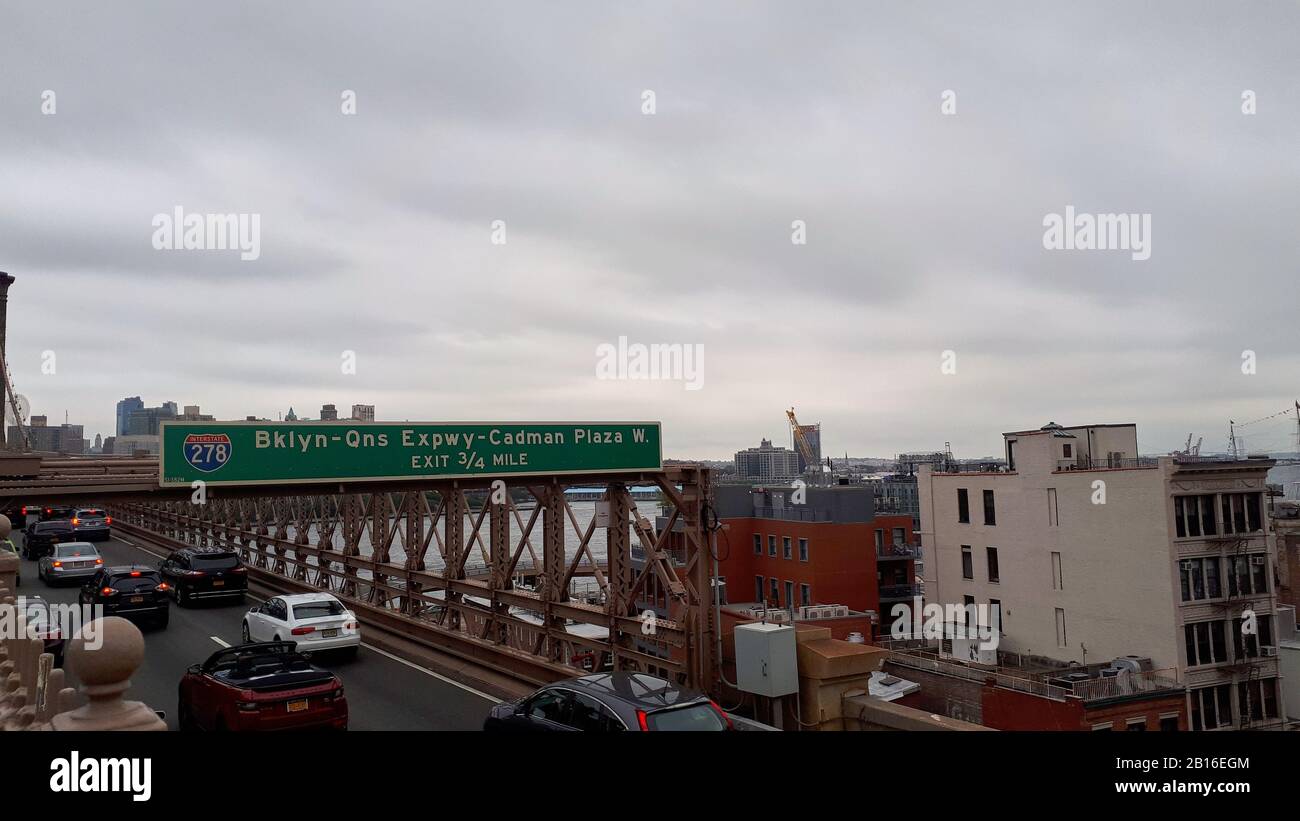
column 105, row 674
column 6, row 526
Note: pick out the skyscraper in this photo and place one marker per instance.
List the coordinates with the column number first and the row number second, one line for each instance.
column 124, row 410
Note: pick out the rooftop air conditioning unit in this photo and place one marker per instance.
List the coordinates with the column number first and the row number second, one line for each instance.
column 840, row 610
column 1137, row 664
column 1112, row 672
column 1268, row 651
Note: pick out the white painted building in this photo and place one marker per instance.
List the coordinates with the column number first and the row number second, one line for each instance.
column 1092, row 553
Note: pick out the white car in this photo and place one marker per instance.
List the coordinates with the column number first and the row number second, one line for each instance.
column 314, row 621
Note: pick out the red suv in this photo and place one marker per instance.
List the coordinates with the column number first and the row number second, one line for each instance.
column 267, row 686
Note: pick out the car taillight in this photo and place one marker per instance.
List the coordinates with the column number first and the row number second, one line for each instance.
column 58, row 564
column 108, row 591
column 640, row 719
column 75, row 520
column 350, row 626
column 722, row 713
column 239, row 570
column 108, row 520
column 24, row 510
column 302, row 631
column 135, row 574
column 247, row 706
column 162, row 587
column 99, row 561
column 47, row 510
column 194, row 573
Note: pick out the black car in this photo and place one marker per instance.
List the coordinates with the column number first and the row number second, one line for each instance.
column 39, row 539
column 606, row 702
column 130, row 591
column 204, row 573
column 19, row 515
column 92, row 524
column 51, row 512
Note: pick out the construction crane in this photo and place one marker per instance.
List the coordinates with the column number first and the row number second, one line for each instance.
column 810, row 460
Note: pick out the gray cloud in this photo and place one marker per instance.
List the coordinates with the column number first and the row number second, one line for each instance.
column 924, row 231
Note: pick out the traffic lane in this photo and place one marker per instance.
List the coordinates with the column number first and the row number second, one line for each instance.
column 384, row 693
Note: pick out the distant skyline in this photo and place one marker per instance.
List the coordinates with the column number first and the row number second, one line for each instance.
column 820, row 205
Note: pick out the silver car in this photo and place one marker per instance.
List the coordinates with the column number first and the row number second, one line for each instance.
column 70, row 560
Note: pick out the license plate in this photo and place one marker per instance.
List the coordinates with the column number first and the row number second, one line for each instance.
column 218, row 583
column 136, row 599
column 298, row 706
column 329, row 634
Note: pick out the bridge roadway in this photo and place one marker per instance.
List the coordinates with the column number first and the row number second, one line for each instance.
column 383, row 691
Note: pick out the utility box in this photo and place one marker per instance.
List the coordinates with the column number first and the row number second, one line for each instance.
column 765, row 659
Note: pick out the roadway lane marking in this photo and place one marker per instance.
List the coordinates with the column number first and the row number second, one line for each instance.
column 429, row 672
column 219, row 641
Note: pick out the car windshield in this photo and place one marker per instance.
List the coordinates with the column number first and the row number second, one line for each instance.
column 134, row 584
column 53, row 527
column 317, row 610
column 700, row 716
column 226, row 561
column 68, row 549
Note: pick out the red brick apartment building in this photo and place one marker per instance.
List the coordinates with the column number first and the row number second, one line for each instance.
column 830, row 549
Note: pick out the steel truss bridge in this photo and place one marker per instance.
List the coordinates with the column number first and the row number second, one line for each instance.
column 439, row 562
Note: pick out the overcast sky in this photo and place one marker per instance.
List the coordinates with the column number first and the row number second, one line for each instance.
column 924, row 230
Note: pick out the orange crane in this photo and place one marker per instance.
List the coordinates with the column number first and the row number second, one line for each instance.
column 810, row 460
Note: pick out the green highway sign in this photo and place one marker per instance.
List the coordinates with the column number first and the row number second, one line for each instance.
column 266, row 453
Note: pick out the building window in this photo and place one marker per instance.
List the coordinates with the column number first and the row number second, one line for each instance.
column 1205, row 644
column 992, row 555
column 1199, row 578
column 758, row 545
column 967, row 564
column 785, row 547
column 1067, row 450
column 1103, row 728
column 805, row 595
column 1248, row 575
column 1053, row 512
column 963, row 506
column 968, row 605
column 803, row 550
column 771, row 546
column 1058, row 581
column 995, row 613
column 1194, row 516
column 1061, row 639
column 1248, row 647
column 900, row 536
column 1257, row 700
column 758, row 589
column 990, row 513
column 880, row 542
column 1212, row 707
column 1136, row 725
column 789, row 594
column 776, row 591
column 1241, row 513
column 1169, row 723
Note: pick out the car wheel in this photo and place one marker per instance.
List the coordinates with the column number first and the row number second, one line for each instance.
column 184, row 720
column 248, row 639
column 181, row 599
